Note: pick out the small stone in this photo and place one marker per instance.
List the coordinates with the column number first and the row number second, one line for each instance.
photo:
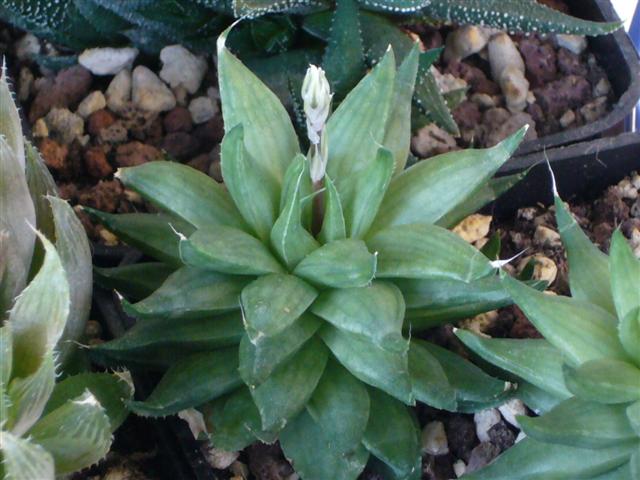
column 594, row 110
column 474, row 227
column 432, row 140
column 602, row 88
column 178, row 120
column 27, row 47
column 459, row 468
column 115, row 133
column 210, row 133
column 465, row 41
column 107, row 61
column 501, row 436
column 25, row 84
column 511, row 409
column 95, row 161
column 484, row 100
column 202, row 162
column 181, row 94
column 180, row 67
column 92, row 103
column 64, row 125
column 68, row 88
column 196, row 423
column 515, row 88
column 544, row 268
column 214, row 94
column 93, row 329
column 99, row 120
column 627, row 190
column 202, row 109
column 510, row 126
column 484, row 420
column 40, row 129
column 481, row 456
column 149, row 93
column 221, row 459
column 136, row 153
column 53, row 154
column 434, row 439
column 180, row 145
column 635, row 180
column 547, row 237
column 118, row 92
column 574, row 43
column 480, row 324
column 567, row 119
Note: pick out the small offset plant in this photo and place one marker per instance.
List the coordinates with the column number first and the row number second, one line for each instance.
column 584, row 377
column 46, row 429
column 286, row 306
column 346, row 36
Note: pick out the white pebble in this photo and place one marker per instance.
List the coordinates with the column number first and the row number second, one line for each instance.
column 484, row 420
column 474, row 227
column 459, row 468
column 118, row 93
column 434, row 439
column 574, row 43
column 202, row 109
column 92, row 103
column 180, row 67
column 511, row 410
column 107, row 61
column 149, row 93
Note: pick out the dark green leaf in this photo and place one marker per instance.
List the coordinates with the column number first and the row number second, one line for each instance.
column 605, row 381
column 432, row 104
column 333, row 225
column 138, row 280
column 430, row 383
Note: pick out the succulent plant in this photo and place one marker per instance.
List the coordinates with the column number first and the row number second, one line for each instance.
column 583, row 378
column 45, row 293
column 286, row 307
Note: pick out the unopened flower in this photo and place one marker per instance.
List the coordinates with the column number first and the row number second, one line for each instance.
column 318, row 156
column 316, row 95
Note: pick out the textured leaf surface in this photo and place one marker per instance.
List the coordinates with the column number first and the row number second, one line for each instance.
column 272, row 303
column 184, row 191
column 190, row 293
column 190, row 382
column 374, row 312
column 579, row 423
column 138, row 280
column 25, row 459
column 228, row 250
column 589, row 276
column 427, row 191
column 427, row 251
column 286, row 392
column 582, row 331
column 333, row 225
column 392, row 434
column 430, row 383
column 370, row 363
column 11, row 126
column 339, row 264
column 76, row 434
column 605, row 381
column 254, row 193
column 536, row 361
column 625, row 277
column 629, row 333
column 40, row 184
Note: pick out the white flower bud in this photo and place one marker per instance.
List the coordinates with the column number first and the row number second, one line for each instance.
column 316, row 94
column 318, row 156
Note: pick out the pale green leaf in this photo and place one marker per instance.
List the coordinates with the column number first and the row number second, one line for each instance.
column 605, row 381
column 6, row 353
column 10, row 123
column 41, row 184
column 625, row 276
column 629, row 333
column 22, row 458
column 333, row 225
column 633, row 415
column 272, row 303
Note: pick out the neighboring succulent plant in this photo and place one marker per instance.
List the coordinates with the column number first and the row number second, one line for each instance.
column 45, row 429
column 278, row 47
column 584, row 377
column 278, row 304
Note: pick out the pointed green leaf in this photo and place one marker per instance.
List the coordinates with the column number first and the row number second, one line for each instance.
column 629, row 333
column 28, row 396
column 339, row 264
column 634, row 465
column 432, row 103
column 159, row 341
column 538, row 400
column 289, row 238
column 77, row 434
column 357, row 127
column 190, row 382
column 579, row 423
column 333, row 225
column 427, row 191
column 272, row 303
column 286, row 392
column 430, row 383
column 374, row 312
column 633, row 415
column 625, row 276
column 475, row 390
column 589, row 276
column 392, row 434
column 427, row 251
column 110, row 389
column 384, row 369
column 40, row 313
column 41, row 184
column 344, row 55
column 582, row 331
column 75, row 254
column 254, row 193
column 536, row 361
column 340, row 406
column 6, row 353
column 138, row 280
column 183, row 191
column 21, row 458
column 523, row 462
column 228, row 250
column 257, row 362
column 191, row 293
column 398, row 135
column 605, row 381
column 366, row 192
column 11, row 126
column 157, row 235
column 304, row 441
column 269, row 138
column 233, row 421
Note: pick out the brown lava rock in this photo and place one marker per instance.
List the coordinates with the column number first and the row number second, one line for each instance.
column 95, row 161
column 136, row 153
column 105, row 196
column 540, row 60
column 99, row 120
column 54, row 154
column 178, row 120
column 66, row 90
column 557, row 97
column 180, row 145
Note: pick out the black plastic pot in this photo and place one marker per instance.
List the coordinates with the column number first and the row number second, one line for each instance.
column 582, row 171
